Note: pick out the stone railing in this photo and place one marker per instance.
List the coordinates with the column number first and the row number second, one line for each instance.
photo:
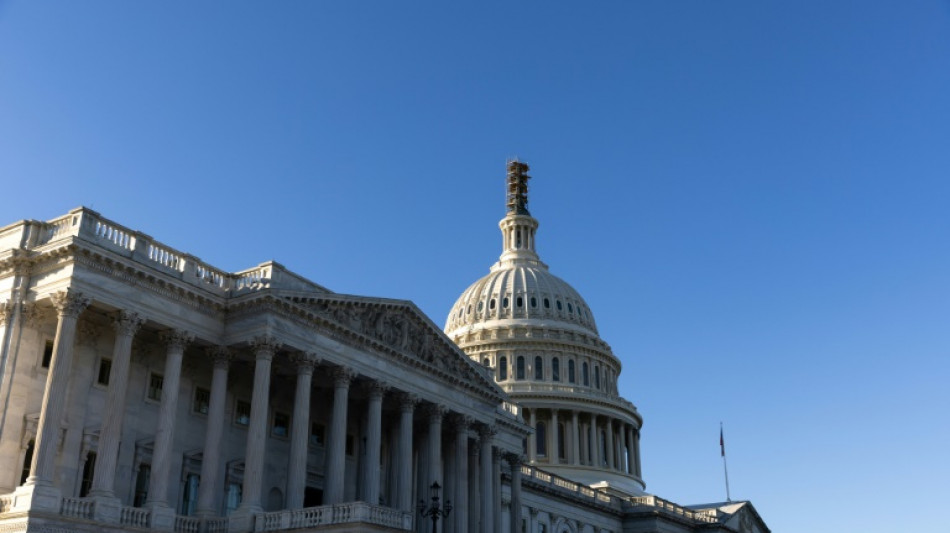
column 77, row 508
column 216, row 525
column 653, row 502
column 346, row 513
column 6, row 503
column 90, row 226
column 558, row 483
column 134, row 516
column 513, row 386
column 189, row 524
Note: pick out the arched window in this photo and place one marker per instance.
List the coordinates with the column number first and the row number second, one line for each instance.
column 486, row 362
column 538, row 368
column 502, row 368
column 519, row 367
column 570, row 370
column 585, row 375
column 597, row 377
column 555, row 369
column 541, row 439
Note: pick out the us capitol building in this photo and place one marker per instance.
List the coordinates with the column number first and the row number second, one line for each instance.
column 142, row 389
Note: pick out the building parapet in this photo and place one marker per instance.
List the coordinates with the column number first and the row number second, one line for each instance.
column 667, row 507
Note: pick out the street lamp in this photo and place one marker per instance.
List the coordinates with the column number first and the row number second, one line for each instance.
column 434, row 510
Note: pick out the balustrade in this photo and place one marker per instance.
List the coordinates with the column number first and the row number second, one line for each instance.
column 76, row 507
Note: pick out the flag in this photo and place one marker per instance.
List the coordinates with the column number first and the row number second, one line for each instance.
column 722, row 443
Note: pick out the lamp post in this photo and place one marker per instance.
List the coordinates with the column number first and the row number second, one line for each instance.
column 434, row 510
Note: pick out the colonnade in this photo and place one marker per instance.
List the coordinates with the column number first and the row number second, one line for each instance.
column 470, row 472
column 588, row 439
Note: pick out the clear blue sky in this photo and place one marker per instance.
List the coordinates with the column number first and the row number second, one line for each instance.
column 752, row 196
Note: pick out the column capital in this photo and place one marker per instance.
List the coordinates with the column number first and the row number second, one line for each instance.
column 487, row 431
column 127, row 323
column 407, row 401
column 460, row 422
column 6, row 311
column 265, row 346
column 305, row 361
column 515, row 459
column 343, row 376
column 434, row 412
column 69, row 303
column 375, row 389
column 176, row 339
column 220, row 355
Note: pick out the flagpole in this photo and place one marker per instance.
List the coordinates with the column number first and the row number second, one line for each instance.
column 725, row 470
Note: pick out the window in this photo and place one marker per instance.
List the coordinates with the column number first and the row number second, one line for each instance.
column 534, row 302
column 541, row 439
column 519, row 368
column 504, row 302
column 585, row 375
column 202, row 399
column 481, row 305
column 555, row 369
column 597, row 377
column 242, row 413
column 486, row 362
column 27, row 461
column 88, row 471
column 281, row 427
column 560, row 442
column 570, row 308
column 559, row 305
column 603, row 448
column 105, row 367
column 547, row 303
column 491, row 304
column 570, row 370
column 189, row 496
column 317, row 434
column 47, row 354
column 519, row 302
column 141, row 485
column 155, row 382
column 502, row 368
column 234, row 498
column 538, row 368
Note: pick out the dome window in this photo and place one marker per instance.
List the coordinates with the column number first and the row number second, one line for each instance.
column 570, row 370
column 519, row 302
column 570, row 308
column 547, row 303
column 559, row 305
column 538, row 369
column 469, row 310
column 491, row 304
column 481, row 305
column 534, row 302
column 585, row 374
column 519, row 368
column 502, row 368
column 555, row 369
column 596, row 377
column 504, row 302
column 541, row 438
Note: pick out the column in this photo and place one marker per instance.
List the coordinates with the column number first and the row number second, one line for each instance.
column 434, row 414
column 374, row 434
column 596, row 457
column 532, row 519
column 265, row 346
column 626, row 452
column 336, row 442
column 460, row 505
column 211, row 454
column 69, row 304
column 585, row 443
column 474, row 495
column 515, row 461
column 532, row 437
column 496, row 489
column 486, row 435
column 636, row 447
column 575, row 440
column 554, row 453
column 450, row 475
column 300, row 430
column 407, row 403
column 126, row 325
column 609, row 438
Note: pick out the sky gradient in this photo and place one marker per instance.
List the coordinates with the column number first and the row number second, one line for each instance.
column 751, row 196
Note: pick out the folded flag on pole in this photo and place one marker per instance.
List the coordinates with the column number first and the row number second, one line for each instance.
column 722, row 443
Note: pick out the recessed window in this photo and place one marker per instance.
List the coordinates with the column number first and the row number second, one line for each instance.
column 504, row 302
column 555, row 369
column 202, row 400
column 547, row 303
column 559, row 305
column 281, row 427
column 597, row 377
column 47, row 354
column 519, row 367
column 242, row 413
column 469, row 310
column 491, row 304
column 541, row 439
column 105, row 367
column 519, row 302
column 570, row 370
column 486, row 362
column 349, row 444
column 481, row 305
column 88, row 472
column 538, row 368
column 502, row 368
column 155, row 382
column 317, row 434
column 585, row 375
column 141, row 485
column 570, row 308
column 534, row 302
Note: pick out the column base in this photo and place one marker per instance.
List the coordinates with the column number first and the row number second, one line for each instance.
column 106, row 508
column 161, row 517
column 244, row 519
column 45, row 498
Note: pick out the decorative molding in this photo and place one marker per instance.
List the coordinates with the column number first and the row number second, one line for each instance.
column 127, row 323
column 407, row 401
column 305, row 361
column 265, row 346
column 69, row 303
column 176, row 339
column 6, row 311
column 221, row 356
column 342, row 376
column 375, row 389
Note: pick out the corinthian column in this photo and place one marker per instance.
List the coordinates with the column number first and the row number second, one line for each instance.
column 374, row 433
column 487, row 507
column 460, row 492
column 265, row 347
column 515, row 461
column 407, row 403
column 555, row 451
column 610, row 443
column 175, row 342
column 69, row 304
column 336, row 443
column 103, row 480
column 434, row 414
column 300, row 431
column 575, row 440
column 211, row 455
column 533, row 436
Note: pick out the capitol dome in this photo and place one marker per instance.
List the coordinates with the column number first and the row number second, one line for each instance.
column 538, row 336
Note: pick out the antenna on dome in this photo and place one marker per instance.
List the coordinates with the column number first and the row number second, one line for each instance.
column 518, row 187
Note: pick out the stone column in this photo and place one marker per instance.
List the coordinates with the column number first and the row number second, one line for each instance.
column 554, row 456
column 533, row 437
column 487, row 507
column 69, row 304
column 126, row 325
column 374, row 429
column 434, row 414
column 626, row 454
column 163, row 514
column 474, row 496
column 211, row 454
column 596, row 457
column 407, row 403
column 636, row 447
column 585, row 443
column 336, row 443
column 532, row 519
column 496, row 489
column 265, row 346
column 515, row 461
column 575, row 440
column 460, row 506
column 610, row 443
column 300, row 430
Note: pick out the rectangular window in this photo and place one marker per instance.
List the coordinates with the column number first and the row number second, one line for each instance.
column 105, row 367
column 317, row 432
column 242, row 413
column 155, row 382
column 202, row 399
column 234, row 498
column 189, row 497
column 141, row 485
column 281, row 427
column 47, row 354
column 88, row 471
